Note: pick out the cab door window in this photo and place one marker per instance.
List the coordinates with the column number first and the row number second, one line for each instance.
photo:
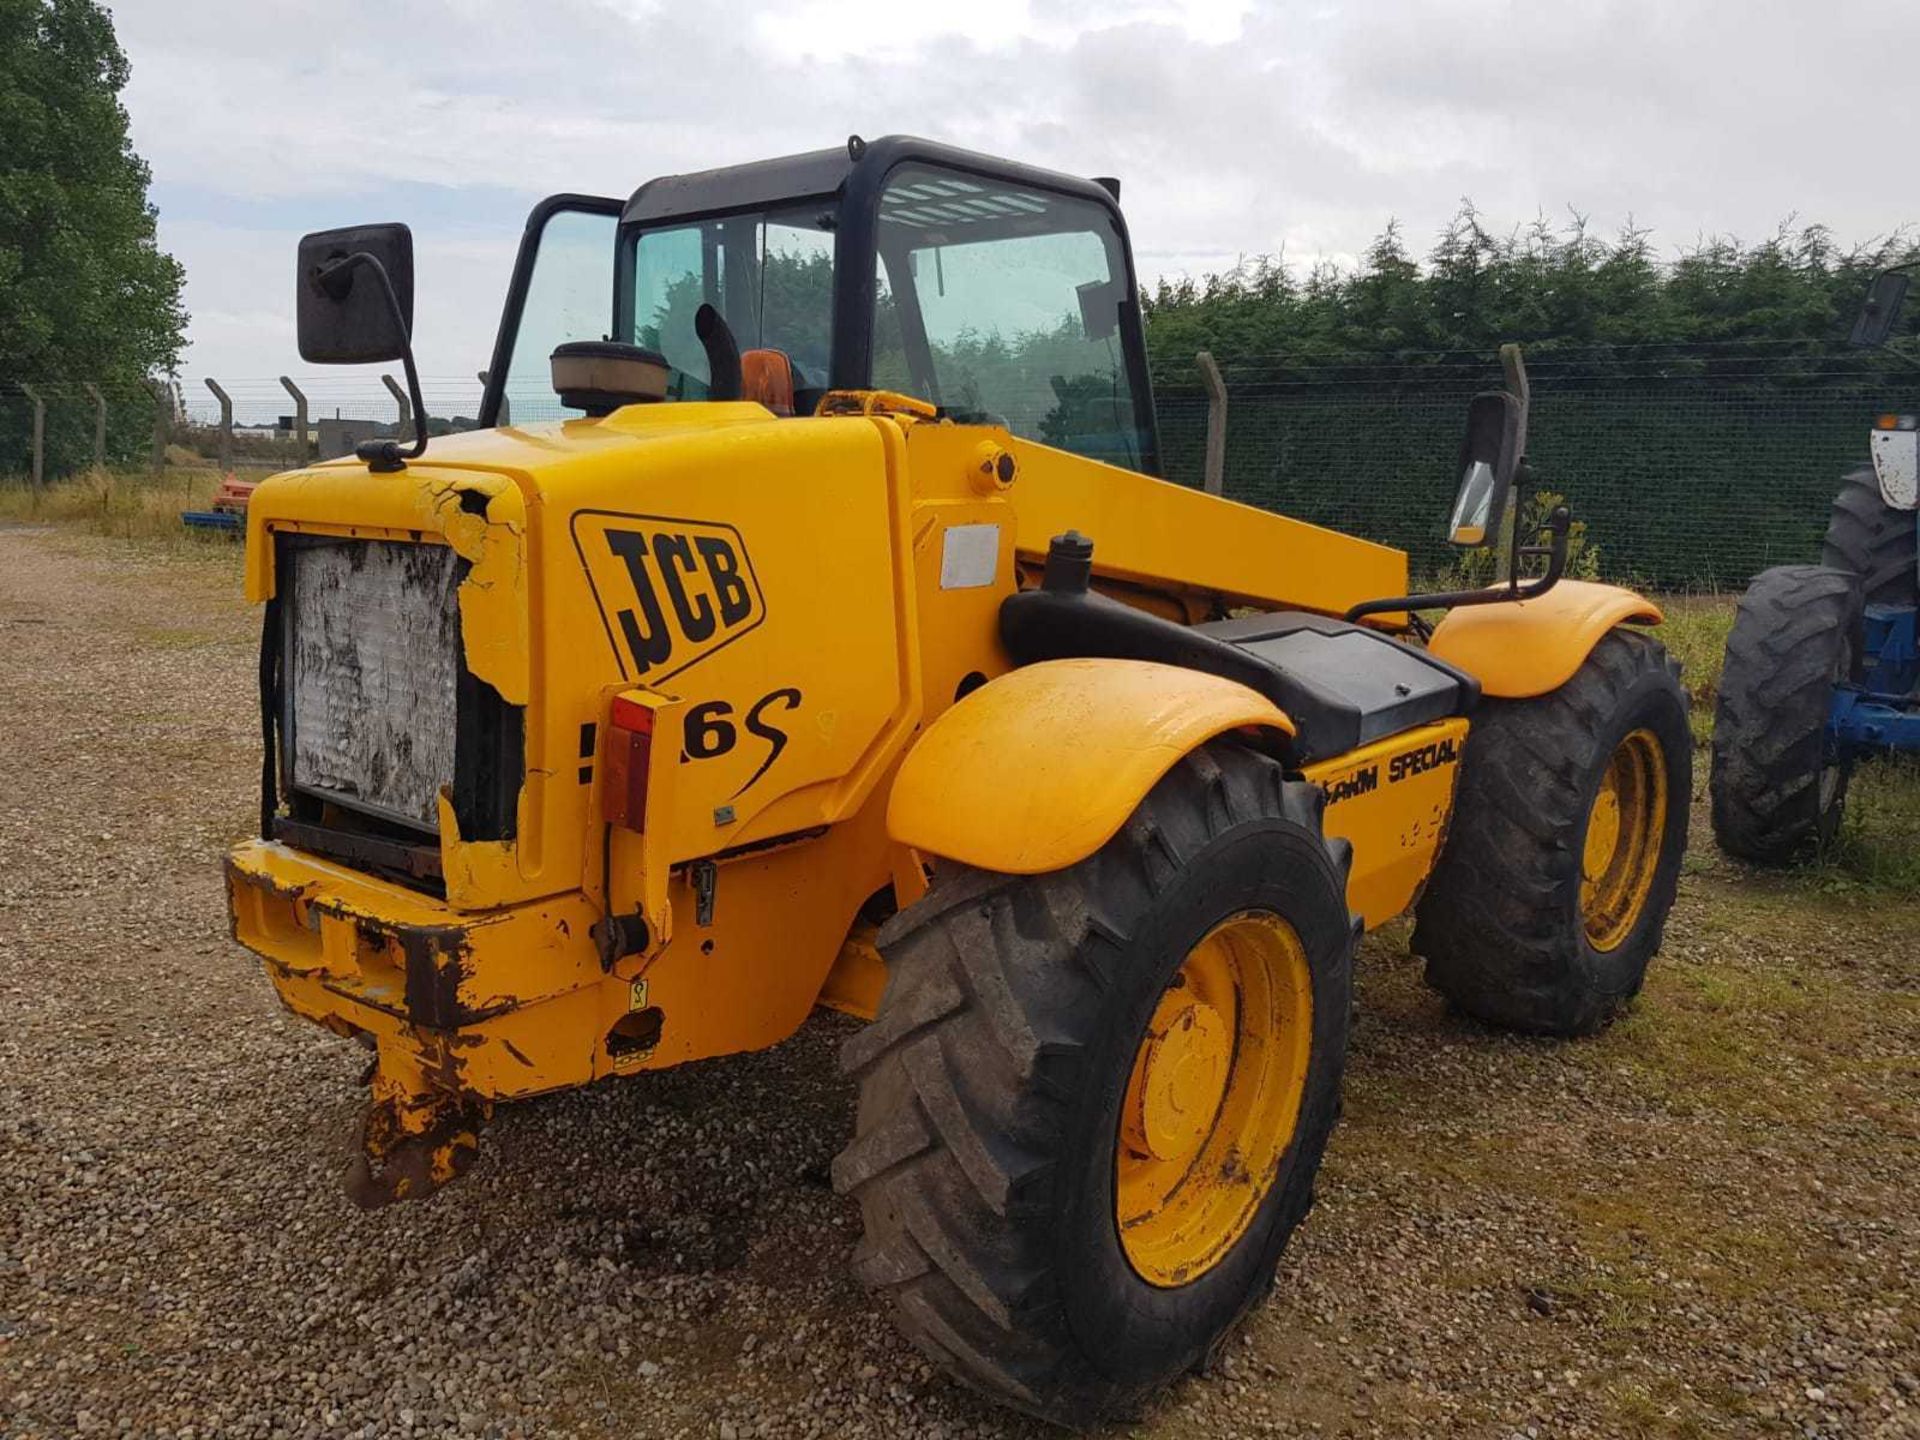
column 769, row 274
column 568, row 296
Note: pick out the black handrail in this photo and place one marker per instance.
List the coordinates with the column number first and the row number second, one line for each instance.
column 1558, row 524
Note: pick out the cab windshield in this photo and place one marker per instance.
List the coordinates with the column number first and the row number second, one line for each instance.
column 1004, row 303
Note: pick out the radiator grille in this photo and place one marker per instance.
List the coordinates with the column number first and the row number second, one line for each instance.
column 371, row 669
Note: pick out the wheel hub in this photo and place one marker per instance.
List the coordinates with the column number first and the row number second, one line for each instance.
column 1184, row 1068
column 1603, row 829
column 1213, row 1097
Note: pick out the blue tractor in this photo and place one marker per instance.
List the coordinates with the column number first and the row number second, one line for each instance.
column 1822, row 665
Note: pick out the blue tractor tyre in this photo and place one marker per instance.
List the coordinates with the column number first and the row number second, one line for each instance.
column 1778, row 783
column 1873, row 540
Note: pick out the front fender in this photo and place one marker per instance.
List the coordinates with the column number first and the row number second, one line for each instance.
column 1036, row 770
column 1530, row 647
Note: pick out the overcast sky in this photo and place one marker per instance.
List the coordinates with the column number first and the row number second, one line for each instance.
column 1237, row 128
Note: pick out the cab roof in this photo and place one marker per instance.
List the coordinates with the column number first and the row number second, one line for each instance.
column 821, row 174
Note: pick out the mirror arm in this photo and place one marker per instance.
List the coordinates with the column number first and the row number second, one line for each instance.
column 1521, row 486
column 381, row 456
column 1559, row 523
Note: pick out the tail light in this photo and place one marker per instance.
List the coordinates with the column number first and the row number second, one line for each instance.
column 629, row 751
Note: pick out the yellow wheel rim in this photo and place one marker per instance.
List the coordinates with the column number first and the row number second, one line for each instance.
column 1625, row 827
column 1213, row 1098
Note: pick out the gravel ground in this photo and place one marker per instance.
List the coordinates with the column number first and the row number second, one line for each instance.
column 1702, row 1223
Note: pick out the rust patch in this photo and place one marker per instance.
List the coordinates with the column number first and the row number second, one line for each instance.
column 418, row 1143
column 261, row 880
column 436, row 959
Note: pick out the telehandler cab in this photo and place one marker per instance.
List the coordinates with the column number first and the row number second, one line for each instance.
column 834, row 645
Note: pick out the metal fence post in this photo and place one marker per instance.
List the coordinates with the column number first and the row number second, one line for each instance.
column 162, row 413
column 1216, row 466
column 99, row 426
column 226, row 426
column 299, row 416
column 400, row 399
column 39, row 439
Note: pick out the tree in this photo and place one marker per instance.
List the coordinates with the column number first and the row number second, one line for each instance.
column 1563, row 291
column 86, row 294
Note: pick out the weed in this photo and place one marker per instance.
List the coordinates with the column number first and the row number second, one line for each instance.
column 126, row 505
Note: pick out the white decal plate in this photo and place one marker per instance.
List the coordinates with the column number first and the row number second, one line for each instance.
column 969, row 556
column 1896, row 462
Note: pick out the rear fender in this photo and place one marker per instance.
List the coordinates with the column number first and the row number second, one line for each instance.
column 1036, row 770
column 1531, row 647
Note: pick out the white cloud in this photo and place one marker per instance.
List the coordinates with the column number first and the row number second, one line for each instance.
column 833, row 30
column 1238, row 126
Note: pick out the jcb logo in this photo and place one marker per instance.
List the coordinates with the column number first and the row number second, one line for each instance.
column 670, row 591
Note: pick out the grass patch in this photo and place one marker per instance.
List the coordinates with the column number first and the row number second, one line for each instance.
column 127, row 505
column 1695, row 633
column 1763, row 1043
column 1780, row 1006
column 1673, row 1412
column 1879, row 843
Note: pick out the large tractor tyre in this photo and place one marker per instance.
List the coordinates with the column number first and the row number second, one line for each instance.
column 1563, row 853
column 1093, row 1102
column 1778, row 785
column 1871, row 539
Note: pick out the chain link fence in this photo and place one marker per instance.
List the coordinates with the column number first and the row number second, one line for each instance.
column 78, row 424
column 249, row 424
column 1693, row 466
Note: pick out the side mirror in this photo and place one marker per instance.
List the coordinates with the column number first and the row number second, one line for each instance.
column 346, row 314
column 1882, row 309
column 1488, row 457
column 1100, row 307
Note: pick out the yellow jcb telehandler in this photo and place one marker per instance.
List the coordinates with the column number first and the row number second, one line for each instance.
column 833, row 644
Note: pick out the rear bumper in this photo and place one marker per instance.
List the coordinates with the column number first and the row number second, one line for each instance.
column 494, row 1005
